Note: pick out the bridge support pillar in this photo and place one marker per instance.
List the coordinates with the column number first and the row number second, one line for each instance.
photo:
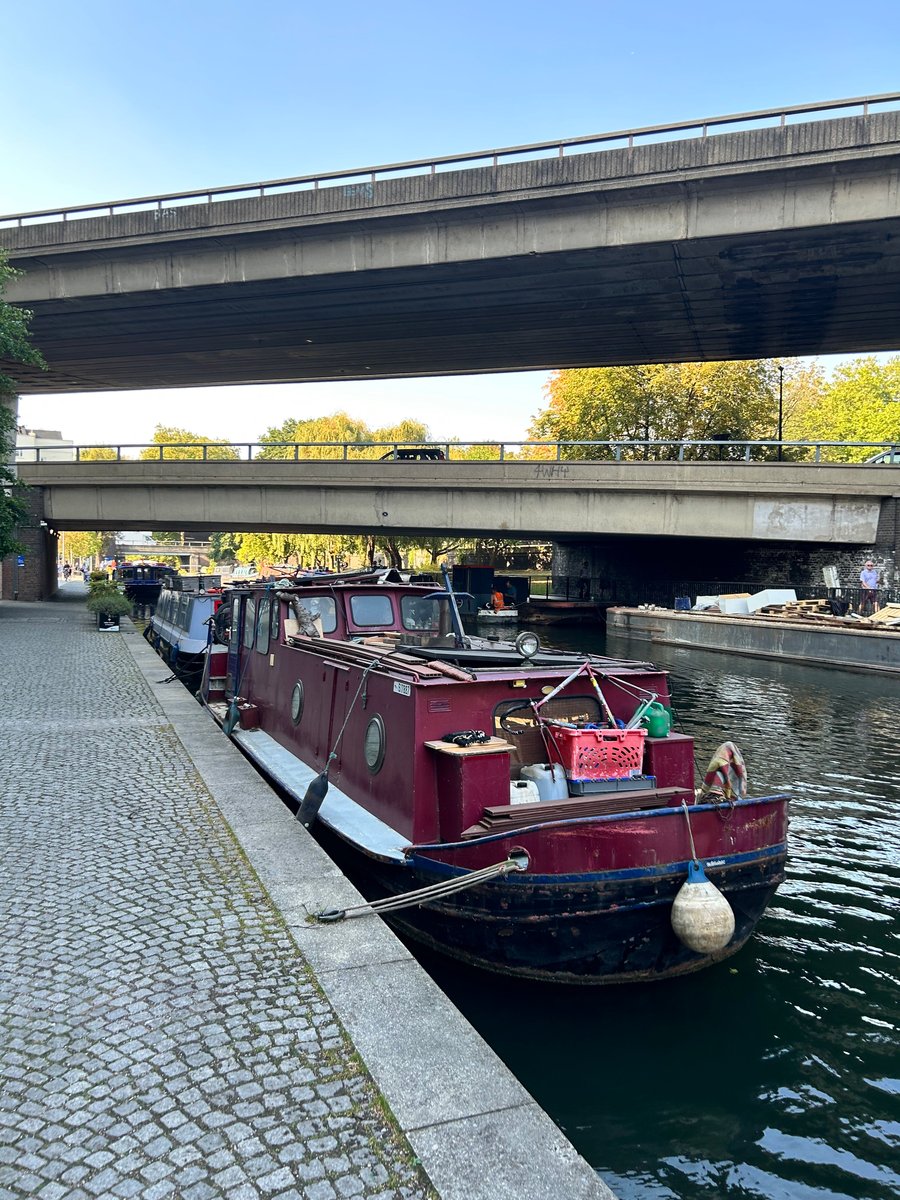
column 36, row 578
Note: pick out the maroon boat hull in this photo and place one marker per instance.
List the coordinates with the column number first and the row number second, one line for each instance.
column 604, row 928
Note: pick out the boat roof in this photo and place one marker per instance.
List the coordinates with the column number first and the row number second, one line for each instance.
column 468, row 665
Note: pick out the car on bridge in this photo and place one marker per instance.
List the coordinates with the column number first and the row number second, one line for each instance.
column 887, row 456
column 416, row 454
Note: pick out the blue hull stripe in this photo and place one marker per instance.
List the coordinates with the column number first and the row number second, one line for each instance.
column 434, row 867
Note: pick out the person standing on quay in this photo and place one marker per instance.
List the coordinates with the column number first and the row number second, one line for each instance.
column 868, row 596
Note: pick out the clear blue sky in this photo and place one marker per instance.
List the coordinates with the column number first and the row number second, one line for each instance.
column 103, row 99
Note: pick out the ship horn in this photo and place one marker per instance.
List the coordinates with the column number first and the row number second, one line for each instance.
column 701, row 916
column 312, row 800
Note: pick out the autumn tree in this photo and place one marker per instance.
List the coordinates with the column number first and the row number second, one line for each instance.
column 338, row 428
column 81, row 545
column 860, row 403
column 664, row 402
column 182, row 445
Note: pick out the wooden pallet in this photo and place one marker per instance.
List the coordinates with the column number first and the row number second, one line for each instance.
column 502, row 818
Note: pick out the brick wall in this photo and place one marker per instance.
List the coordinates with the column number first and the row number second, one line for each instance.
column 36, row 580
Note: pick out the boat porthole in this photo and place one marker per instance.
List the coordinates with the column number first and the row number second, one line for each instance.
column 297, row 702
column 374, row 744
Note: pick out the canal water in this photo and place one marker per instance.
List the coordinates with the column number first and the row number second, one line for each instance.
column 777, row 1073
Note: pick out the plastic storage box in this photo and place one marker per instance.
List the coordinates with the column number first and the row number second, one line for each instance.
column 600, row 753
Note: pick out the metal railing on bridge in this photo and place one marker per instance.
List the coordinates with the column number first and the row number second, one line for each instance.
column 363, row 179
column 439, row 454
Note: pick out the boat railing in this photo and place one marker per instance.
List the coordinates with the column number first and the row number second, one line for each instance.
column 438, row 456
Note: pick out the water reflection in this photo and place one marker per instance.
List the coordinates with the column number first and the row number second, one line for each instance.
column 774, row 1074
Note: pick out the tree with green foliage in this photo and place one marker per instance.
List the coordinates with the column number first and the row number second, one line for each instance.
column 173, row 446
column 338, row 428
column 664, row 402
column 82, row 546
column 15, row 347
column 860, row 403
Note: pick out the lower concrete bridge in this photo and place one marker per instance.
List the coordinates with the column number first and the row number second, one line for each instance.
column 643, row 516
column 770, row 502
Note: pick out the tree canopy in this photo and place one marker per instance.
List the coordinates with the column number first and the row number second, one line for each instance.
column 337, row 428
column 199, row 447
column 660, row 402
column 860, row 403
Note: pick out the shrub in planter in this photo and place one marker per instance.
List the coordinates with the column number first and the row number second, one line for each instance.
column 108, row 604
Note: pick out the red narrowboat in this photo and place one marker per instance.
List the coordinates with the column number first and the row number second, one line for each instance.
column 542, row 796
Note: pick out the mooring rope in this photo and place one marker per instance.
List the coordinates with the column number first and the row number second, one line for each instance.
column 687, row 817
column 436, row 891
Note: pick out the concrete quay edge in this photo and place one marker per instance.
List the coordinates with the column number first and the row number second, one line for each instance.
column 475, row 1129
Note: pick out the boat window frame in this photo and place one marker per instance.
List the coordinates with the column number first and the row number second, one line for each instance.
column 184, row 611
column 328, row 602
column 263, row 625
column 235, row 629
column 275, row 619
column 249, row 630
column 376, row 720
column 362, row 599
column 298, row 699
column 431, row 599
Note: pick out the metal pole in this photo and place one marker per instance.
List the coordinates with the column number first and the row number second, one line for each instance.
column 780, row 411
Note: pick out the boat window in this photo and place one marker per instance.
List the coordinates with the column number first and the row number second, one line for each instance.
column 234, row 628
column 420, row 612
column 262, row 625
column 249, row 622
column 372, row 610
column 162, row 609
column 320, row 606
column 276, row 619
column 183, row 609
column 297, row 702
column 374, row 743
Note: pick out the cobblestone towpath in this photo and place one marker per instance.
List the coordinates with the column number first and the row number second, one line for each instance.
column 170, row 1023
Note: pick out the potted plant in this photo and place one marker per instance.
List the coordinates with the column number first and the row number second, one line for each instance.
column 108, row 604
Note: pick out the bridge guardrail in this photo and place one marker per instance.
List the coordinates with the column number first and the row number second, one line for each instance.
column 370, row 175
column 439, row 454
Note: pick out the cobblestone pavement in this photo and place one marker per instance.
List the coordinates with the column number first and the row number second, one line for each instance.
column 160, row 1033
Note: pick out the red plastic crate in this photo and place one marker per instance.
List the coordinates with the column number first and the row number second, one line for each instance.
column 600, row 753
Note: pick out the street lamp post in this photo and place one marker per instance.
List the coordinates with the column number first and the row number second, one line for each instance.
column 780, row 410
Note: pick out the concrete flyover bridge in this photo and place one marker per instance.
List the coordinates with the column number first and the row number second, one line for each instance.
column 743, row 236
column 755, row 501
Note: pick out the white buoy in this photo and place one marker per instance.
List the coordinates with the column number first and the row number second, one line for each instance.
column 701, row 916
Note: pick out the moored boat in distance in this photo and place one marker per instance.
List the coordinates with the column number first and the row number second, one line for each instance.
column 142, row 580
column 497, row 616
column 541, row 795
column 179, row 628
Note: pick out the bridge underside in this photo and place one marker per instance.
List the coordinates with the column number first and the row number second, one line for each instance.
column 774, row 241
column 786, row 293
column 558, row 501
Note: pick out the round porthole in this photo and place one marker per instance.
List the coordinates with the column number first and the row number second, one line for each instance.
column 297, row 702
column 373, row 746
